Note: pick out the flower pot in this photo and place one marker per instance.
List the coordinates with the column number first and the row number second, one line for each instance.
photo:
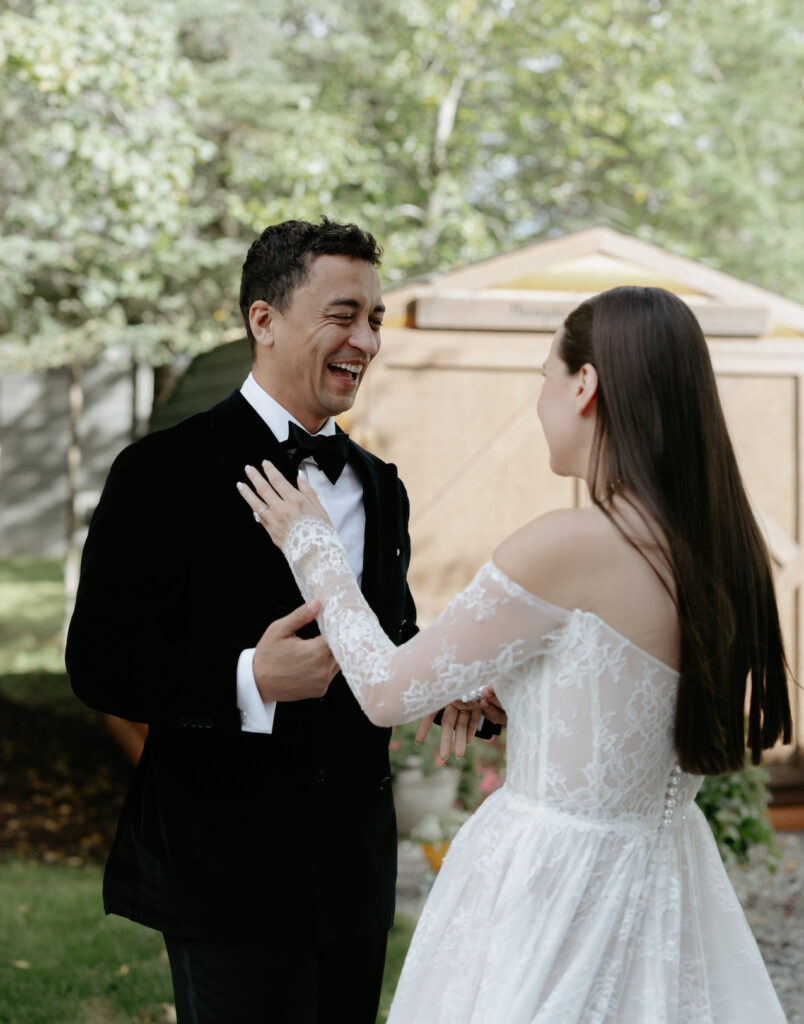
column 435, row 853
column 416, row 794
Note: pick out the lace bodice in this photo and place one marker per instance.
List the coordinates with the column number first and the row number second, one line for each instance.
column 590, row 715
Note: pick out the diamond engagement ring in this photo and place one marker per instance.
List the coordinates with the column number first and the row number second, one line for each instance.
column 258, row 514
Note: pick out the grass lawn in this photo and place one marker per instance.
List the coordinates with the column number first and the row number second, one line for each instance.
column 398, row 942
column 31, row 615
column 62, row 961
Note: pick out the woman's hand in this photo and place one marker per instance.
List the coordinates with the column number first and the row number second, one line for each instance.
column 459, row 722
column 276, row 503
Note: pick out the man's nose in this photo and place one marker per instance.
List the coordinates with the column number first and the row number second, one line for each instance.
column 365, row 338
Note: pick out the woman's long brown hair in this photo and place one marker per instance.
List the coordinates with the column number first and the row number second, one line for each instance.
column 661, row 442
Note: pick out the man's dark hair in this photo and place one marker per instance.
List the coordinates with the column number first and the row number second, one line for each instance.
column 279, row 261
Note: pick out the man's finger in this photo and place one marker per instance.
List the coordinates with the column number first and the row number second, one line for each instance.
column 290, row 624
column 494, row 712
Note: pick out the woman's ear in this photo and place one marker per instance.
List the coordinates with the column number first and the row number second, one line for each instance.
column 586, row 388
column 260, row 318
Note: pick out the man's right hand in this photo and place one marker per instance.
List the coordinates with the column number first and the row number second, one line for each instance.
column 286, row 667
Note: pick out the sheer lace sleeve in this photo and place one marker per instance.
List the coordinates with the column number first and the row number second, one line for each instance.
column 487, row 631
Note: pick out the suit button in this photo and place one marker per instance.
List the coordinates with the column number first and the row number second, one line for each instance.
column 320, row 775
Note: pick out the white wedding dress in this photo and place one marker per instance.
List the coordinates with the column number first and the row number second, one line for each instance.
column 588, row 889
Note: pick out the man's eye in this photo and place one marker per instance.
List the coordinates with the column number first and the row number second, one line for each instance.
column 377, row 324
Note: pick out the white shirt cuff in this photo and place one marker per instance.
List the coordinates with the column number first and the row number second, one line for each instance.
column 256, row 715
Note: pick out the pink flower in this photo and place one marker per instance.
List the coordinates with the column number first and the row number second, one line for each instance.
column 489, row 783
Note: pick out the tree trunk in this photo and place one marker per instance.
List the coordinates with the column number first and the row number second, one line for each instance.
column 439, row 159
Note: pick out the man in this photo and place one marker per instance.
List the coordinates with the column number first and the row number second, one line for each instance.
column 259, row 833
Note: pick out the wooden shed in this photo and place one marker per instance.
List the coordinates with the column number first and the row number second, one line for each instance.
column 451, row 400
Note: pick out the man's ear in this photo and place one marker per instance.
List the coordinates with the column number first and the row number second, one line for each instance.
column 261, row 321
column 586, row 388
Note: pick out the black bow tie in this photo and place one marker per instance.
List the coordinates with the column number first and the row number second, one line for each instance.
column 329, row 453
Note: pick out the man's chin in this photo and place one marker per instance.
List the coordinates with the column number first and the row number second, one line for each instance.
column 337, row 405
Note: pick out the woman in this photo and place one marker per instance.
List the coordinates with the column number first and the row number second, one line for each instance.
column 619, row 638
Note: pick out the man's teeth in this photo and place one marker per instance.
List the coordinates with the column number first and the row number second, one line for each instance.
column 353, row 368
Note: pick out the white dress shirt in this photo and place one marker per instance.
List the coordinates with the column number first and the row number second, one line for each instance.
column 343, row 501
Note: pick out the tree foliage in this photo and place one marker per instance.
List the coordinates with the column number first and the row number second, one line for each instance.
column 99, row 119
column 457, row 129
column 147, row 141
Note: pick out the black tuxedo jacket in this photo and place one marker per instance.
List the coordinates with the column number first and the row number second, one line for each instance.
column 228, row 835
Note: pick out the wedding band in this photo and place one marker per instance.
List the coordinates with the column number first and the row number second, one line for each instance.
column 259, row 512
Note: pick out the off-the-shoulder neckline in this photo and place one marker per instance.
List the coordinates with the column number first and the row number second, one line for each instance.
column 532, row 598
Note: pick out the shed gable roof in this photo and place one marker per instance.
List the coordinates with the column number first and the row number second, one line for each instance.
column 590, row 261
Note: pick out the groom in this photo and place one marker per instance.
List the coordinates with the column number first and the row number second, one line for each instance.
column 259, row 833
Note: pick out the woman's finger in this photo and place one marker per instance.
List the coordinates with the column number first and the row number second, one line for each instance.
column 424, row 727
column 461, row 725
column 285, row 490
column 448, row 720
column 307, row 491
column 253, row 500
column 263, row 488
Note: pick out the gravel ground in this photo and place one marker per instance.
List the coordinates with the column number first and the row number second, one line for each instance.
column 774, row 906
column 773, row 903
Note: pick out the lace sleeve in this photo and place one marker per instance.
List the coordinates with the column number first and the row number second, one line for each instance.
column 487, row 631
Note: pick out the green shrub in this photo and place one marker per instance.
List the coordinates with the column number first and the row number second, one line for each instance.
column 735, row 806
column 403, row 748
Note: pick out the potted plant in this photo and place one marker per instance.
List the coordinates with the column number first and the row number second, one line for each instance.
column 434, row 832
column 422, row 785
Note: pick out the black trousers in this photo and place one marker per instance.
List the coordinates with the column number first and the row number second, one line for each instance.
column 277, row 982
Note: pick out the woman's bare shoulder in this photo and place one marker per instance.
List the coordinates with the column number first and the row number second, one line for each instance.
column 554, row 555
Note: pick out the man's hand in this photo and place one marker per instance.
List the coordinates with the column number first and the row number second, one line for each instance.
column 286, row 667
column 458, row 725
column 491, row 708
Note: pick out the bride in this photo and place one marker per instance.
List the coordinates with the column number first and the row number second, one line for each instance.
column 621, row 639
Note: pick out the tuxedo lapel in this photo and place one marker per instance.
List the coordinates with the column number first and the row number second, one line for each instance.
column 242, row 437
column 374, row 551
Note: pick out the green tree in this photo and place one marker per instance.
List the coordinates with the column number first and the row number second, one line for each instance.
column 101, row 245
column 460, row 128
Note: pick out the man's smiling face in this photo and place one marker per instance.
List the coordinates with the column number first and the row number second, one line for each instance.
column 312, row 358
